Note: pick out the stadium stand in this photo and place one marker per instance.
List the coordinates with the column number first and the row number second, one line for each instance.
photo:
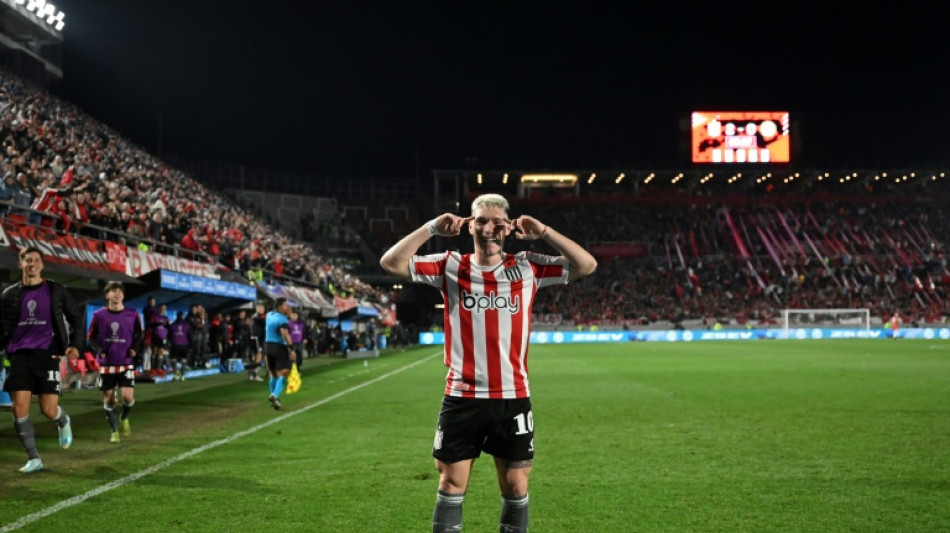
column 680, row 256
column 699, row 263
column 78, row 176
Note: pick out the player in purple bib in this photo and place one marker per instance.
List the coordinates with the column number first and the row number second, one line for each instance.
column 180, row 341
column 160, row 325
column 115, row 337
column 298, row 332
column 34, row 314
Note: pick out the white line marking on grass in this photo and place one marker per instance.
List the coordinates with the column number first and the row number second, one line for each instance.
column 65, row 504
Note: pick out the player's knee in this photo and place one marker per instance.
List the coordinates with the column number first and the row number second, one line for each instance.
column 516, row 482
column 450, row 485
column 518, row 491
column 450, row 481
column 515, row 488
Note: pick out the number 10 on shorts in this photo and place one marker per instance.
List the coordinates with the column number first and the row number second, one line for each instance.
column 525, row 423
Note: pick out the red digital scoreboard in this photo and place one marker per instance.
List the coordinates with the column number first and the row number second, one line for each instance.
column 730, row 137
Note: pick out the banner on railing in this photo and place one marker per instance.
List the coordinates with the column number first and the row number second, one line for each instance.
column 140, row 262
column 62, row 249
column 306, row 297
column 116, row 256
column 344, row 304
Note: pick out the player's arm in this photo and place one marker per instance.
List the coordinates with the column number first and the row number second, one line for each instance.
column 396, row 259
column 93, row 336
column 137, row 336
column 285, row 333
column 74, row 317
column 582, row 262
column 3, row 334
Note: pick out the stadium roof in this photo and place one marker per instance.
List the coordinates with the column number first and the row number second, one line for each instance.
column 32, row 38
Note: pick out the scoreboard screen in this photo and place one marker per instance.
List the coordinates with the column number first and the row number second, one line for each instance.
column 740, row 137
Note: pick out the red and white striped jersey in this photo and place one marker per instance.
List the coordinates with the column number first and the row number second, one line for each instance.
column 115, row 369
column 488, row 317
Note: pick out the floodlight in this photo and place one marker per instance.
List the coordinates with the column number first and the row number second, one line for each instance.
column 561, row 178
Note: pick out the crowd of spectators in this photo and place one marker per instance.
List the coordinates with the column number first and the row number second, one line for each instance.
column 77, row 175
column 886, row 256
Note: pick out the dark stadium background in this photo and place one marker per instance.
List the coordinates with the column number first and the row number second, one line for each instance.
column 393, row 89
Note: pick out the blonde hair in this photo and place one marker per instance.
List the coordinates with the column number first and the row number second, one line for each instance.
column 490, row 200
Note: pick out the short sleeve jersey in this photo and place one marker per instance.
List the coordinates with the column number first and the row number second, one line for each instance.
column 272, row 326
column 488, row 317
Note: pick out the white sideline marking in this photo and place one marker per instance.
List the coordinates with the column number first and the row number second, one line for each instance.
column 65, row 504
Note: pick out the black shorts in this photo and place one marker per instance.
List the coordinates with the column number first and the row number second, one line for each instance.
column 124, row 379
column 34, row 370
column 179, row 353
column 158, row 342
column 469, row 426
column 278, row 356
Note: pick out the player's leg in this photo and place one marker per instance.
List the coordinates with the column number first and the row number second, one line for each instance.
column 458, row 442
column 180, row 357
column 513, row 484
column 28, row 375
column 453, row 482
column 108, row 405
column 50, row 386
column 128, row 400
column 278, row 364
column 24, row 428
column 512, row 445
column 161, row 355
column 255, row 356
column 513, row 476
column 49, row 405
column 279, row 381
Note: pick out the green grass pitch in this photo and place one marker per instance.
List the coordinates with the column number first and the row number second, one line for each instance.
column 760, row 436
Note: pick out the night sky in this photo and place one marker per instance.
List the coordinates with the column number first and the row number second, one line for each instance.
column 392, row 88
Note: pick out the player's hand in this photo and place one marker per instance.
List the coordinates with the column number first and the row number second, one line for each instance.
column 72, row 353
column 293, row 355
column 527, row 228
column 447, row 225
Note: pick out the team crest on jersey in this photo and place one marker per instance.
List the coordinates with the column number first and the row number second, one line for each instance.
column 512, row 273
column 490, row 302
